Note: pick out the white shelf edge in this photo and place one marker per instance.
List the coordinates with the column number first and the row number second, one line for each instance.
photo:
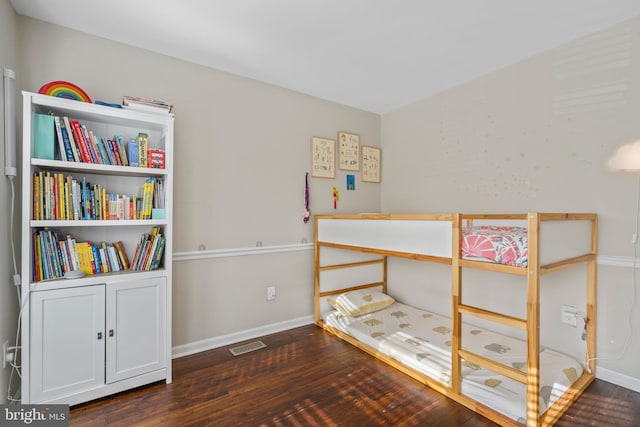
column 101, row 110
column 95, row 279
column 98, row 223
column 98, row 168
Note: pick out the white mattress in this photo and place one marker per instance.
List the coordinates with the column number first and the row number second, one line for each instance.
column 421, row 339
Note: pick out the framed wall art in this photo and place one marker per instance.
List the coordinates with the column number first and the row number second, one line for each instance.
column 371, row 157
column 348, row 151
column 323, row 157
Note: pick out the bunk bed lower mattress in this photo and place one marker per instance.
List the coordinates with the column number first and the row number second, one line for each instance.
column 422, row 340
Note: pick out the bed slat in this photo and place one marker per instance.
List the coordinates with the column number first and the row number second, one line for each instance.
column 351, row 264
column 352, row 288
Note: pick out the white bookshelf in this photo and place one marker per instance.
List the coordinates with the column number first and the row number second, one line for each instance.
column 89, row 337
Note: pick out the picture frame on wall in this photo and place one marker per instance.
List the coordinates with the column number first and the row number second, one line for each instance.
column 323, row 157
column 371, row 163
column 348, row 151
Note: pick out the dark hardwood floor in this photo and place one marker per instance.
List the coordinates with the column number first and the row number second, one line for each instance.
column 306, row 377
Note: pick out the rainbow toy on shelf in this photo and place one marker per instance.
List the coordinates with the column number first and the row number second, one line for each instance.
column 63, row 89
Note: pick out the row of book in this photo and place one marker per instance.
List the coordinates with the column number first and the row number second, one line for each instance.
column 149, row 250
column 76, row 143
column 53, row 258
column 57, row 196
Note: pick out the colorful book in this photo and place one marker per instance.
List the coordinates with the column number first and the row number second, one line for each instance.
column 115, row 151
column 122, row 149
column 156, row 158
column 103, row 152
column 143, row 147
column 93, row 149
column 157, row 257
column 72, row 141
column 73, row 253
column 132, row 152
column 122, row 254
column 65, row 151
column 82, row 144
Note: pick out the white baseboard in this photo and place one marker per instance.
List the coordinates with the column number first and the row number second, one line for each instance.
column 211, row 343
column 618, row 379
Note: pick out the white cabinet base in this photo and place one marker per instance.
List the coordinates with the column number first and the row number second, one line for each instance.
column 91, row 341
column 67, row 341
column 136, row 328
column 108, row 389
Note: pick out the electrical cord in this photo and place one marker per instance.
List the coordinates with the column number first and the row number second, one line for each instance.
column 15, row 366
column 634, row 240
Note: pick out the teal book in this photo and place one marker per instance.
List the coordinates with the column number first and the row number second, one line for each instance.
column 43, row 137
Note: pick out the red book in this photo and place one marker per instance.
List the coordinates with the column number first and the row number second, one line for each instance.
column 82, row 144
column 156, row 158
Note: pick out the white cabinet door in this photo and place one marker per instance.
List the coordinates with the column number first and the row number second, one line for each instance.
column 136, row 328
column 67, row 341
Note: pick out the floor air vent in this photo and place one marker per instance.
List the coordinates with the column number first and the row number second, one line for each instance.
column 246, row 348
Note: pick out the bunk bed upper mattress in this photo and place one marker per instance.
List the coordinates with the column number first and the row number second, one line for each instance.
column 498, row 244
column 422, row 340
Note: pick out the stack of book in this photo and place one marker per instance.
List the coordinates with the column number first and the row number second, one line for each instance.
column 62, row 197
column 146, row 104
column 52, row 258
column 76, row 143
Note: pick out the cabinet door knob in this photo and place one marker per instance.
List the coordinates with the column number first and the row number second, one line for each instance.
column 110, row 332
column 99, row 335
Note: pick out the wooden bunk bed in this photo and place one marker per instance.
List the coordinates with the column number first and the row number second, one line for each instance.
column 438, row 238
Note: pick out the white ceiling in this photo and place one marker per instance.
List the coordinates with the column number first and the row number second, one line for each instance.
column 376, row 55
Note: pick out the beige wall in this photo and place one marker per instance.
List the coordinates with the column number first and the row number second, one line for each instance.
column 8, row 299
column 535, row 136
column 242, row 150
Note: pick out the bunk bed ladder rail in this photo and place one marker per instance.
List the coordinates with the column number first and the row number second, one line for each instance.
column 531, row 378
column 533, row 321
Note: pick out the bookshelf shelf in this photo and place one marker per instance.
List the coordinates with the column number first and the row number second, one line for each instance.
column 97, row 279
column 65, row 166
column 117, row 317
column 147, row 223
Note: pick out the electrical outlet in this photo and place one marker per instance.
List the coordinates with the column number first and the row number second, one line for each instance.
column 569, row 316
column 271, row 293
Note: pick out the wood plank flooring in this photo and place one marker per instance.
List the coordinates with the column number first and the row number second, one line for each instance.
column 306, row 377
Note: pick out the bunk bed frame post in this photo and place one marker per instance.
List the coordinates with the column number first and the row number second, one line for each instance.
column 384, row 274
column 533, row 321
column 316, row 273
column 456, row 297
column 592, row 274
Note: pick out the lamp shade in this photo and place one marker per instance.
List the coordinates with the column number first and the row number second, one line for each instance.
column 626, row 158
